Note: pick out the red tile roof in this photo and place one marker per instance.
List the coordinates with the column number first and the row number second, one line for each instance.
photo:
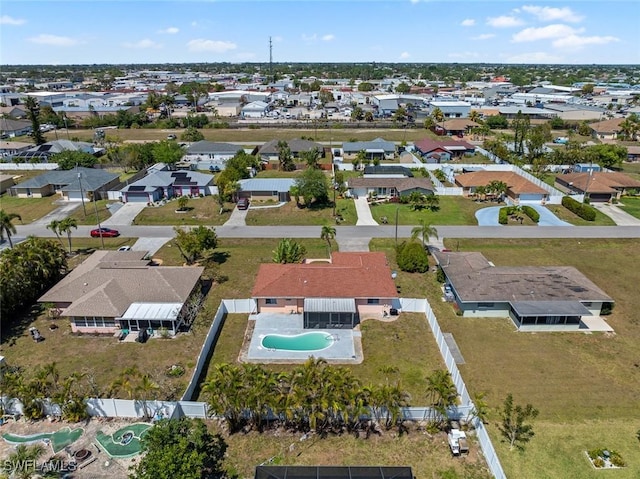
column 598, row 182
column 350, row 275
column 426, row 145
column 516, row 183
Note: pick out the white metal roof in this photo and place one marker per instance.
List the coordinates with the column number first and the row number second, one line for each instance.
column 153, row 311
column 330, row 305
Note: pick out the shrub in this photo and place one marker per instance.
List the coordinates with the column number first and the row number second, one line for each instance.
column 531, row 213
column 412, row 257
column 598, row 462
column 503, row 215
column 616, row 459
column 441, row 278
column 584, row 211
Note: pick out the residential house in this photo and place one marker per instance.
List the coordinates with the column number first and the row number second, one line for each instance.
column 12, row 128
column 330, row 295
column 6, row 181
column 209, row 155
column 439, row 151
column 13, row 112
column 12, row 148
column 633, row 153
column 167, row 184
column 77, row 184
column 457, row 126
column 389, row 187
column 519, row 189
column 269, row 151
column 598, row 186
column 255, row 109
column 607, row 129
column 265, row 189
column 532, row 296
column 375, row 149
column 43, row 153
column 116, row 290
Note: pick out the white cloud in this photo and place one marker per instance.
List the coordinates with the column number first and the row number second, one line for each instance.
column 7, row 20
column 484, row 36
column 216, row 46
column 404, row 55
column 54, row 40
column 552, row 14
column 504, row 21
column 328, row 37
column 468, row 22
column 576, row 41
column 169, row 31
column 533, row 34
column 534, row 57
column 142, row 44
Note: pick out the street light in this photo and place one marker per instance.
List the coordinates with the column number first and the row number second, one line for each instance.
column 397, row 210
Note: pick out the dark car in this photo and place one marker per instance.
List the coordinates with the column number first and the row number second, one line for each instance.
column 104, row 232
column 243, row 203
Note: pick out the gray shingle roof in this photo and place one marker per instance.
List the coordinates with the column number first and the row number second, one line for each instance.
column 204, row 146
column 266, row 184
column 91, row 179
column 377, row 144
column 295, row 145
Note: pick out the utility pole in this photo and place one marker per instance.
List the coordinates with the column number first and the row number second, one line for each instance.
column 95, row 207
column 84, row 208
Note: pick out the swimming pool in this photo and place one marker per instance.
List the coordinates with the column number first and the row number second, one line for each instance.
column 314, row 341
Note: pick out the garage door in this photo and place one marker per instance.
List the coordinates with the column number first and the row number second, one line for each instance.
column 137, row 198
column 600, row 198
column 74, row 196
column 531, row 197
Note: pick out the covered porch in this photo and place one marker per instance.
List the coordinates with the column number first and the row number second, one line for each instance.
column 555, row 316
column 152, row 316
column 330, row 313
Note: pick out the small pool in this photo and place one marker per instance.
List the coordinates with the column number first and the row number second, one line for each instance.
column 314, row 341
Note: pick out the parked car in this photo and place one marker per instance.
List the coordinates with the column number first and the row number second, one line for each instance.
column 243, row 203
column 124, row 248
column 104, row 232
column 171, row 137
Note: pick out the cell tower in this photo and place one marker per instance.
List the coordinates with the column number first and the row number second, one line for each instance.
column 270, row 59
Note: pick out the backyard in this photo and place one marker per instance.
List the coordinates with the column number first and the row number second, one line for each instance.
column 289, row 214
column 586, row 386
column 199, row 211
column 454, row 210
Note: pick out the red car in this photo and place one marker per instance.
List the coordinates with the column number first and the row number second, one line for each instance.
column 104, row 232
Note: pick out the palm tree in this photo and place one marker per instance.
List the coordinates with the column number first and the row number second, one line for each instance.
column 65, row 226
column 125, row 382
column 424, row 231
column 328, row 233
column 22, row 463
column 6, row 225
column 146, row 388
column 437, row 115
column 443, row 393
column 54, row 226
column 474, row 116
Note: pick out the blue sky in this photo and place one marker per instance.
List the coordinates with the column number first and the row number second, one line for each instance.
column 87, row 31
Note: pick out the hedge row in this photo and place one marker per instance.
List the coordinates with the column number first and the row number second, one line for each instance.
column 503, row 215
column 531, row 213
column 585, row 212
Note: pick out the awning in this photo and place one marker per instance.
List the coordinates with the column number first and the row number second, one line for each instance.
column 330, row 305
column 374, row 150
column 153, row 311
column 550, row 308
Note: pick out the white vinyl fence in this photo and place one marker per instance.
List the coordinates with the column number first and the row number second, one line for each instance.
column 28, row 166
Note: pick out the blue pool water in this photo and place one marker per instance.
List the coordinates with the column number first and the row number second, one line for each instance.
column 314, row 341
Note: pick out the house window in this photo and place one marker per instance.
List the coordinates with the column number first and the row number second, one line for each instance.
column 373, row 301
column 271, row 301
column 485, row 305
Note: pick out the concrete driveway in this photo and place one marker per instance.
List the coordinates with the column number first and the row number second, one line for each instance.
column 152, row 245
column 125, row 215
column 60, row 213
column 489, row 216
column 620, row 217
column 237, row 218
column 364, row 212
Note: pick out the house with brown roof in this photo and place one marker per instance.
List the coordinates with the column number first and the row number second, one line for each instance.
column 532, row 296
column 438, row 151
column 607, row 129
column 598, row 186
column 329, row 295
column 519, row 189
column 116, row 290
column 458, row 126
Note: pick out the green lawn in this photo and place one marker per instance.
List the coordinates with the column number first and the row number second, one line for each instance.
column 631, row 205
column 570, row 217
column 90, row 207
column 29, row 209
column 204, row 210
column 631, row 169
column 289, row 214
column 590, row 382
column 454, row 210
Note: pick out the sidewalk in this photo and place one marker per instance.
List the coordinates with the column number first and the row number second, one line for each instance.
column 364, row 212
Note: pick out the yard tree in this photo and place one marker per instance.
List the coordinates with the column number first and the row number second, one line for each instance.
column 403, row 88
column 497, row 122
column 536, row 138
column 192, row 134
column 313, row 187
column 65, row 226
column 424, row 231
column 194, row 243
column 412, row 257
column 33, row 114
column 328, row 233
column 365, row 86
column 285, row 158
column 68, row 159
column 168, row 152
column 312, row 158
column 437, row 115
column 357, row 113
column 608, row 156
column 417, row 201
column 514, row 425
column 22, row 463
column 442, row 393
column 7, row 227
column 289, row 251
column 182, row 203
column 180, row 448
column 520, row 126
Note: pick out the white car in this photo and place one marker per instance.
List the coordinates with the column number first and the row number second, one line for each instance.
column 124, row 248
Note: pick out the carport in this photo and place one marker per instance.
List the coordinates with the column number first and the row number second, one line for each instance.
column 330, row 313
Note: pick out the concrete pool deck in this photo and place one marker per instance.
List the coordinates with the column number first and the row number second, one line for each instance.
column 346, row 347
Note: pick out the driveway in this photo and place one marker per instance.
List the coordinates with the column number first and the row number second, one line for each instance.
column 620, row 217
column 125, row 215
column 152, row 245
column 237, row 218
column 489, row 216
column 364, row 212
column 60, row 213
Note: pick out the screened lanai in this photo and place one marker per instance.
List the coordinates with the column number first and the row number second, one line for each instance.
column 153, row 316
column 330, row 313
